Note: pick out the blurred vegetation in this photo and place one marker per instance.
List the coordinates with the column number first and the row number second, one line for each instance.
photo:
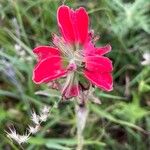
column 122, row 121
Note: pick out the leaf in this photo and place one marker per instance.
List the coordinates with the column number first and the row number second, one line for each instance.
column 56, row 146
column 60, row 142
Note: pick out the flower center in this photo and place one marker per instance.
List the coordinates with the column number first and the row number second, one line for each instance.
column 71, row 53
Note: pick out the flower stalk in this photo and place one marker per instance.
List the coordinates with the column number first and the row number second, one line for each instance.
column 81, row 118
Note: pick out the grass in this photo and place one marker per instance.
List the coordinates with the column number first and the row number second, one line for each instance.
column 122, row 121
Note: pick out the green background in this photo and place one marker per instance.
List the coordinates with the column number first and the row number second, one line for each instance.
column 122, row 121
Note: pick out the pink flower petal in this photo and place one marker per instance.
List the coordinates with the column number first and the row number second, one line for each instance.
column 101, row 80
column 71, row 87
column 71, row 91
column 48, row 69
column 46, row 51
column 103, row 50
column 65, row 23
column 82, row 21
column 98, row 63
column 91, row 50
column 73, row 24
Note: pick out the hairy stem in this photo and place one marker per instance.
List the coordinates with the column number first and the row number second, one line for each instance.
column 81, row 118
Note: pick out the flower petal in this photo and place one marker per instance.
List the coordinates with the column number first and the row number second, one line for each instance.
column 98, row 63
column 71, row 91
column 71, row 86
column 81, row 25
column 46, row 51
column 101, row 80
column 65, row 23
column 90, row 49
column 48, row 69
column 73, row 24
column 103, row 50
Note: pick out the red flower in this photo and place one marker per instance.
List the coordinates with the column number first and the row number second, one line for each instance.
column 74, row 55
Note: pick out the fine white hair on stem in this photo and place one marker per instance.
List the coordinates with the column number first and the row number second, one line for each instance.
column 20, row 139
column 45, row 109
column 44, row 113
column 32, row 129
column 35, row 118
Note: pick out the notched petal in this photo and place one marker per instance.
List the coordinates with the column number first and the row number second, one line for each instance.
column 73, row 24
